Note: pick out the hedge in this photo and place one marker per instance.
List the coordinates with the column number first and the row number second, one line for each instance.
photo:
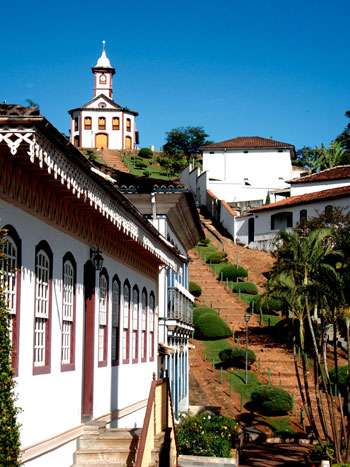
column 207, row 435
column 216, row 258
column 208, row 326
column 342, row 378
column 271, row 400
column 232, row 272
column 269, row 305
column 236, row 357
column 195, row 289
column 199, row 311
column 145, row 153
column 245, row 287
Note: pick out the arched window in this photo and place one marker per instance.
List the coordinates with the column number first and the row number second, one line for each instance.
column 102, row 318
column 103, row 78
column 302, row 216
column 128, row 142
column 144, row 326
column 128, row 124
column 10, row 282
column 115, row 123
column 68, row 312
column 135, row 324
column 115, row 319
column 152, row 309
column 87, row 123
column 101, row 123
column 42, row 308
column 126, row 321
column 328, row 211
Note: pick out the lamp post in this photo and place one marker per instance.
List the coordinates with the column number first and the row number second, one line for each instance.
column 96, row 258
column 247, row 316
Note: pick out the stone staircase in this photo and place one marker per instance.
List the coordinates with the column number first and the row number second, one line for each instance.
column 103, row 447
column 114, row 159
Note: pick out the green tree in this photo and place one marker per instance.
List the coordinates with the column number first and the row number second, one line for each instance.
column 307, row 271
column 344, row 138
column 184, row 142
column 9, row 429
column 321, row 157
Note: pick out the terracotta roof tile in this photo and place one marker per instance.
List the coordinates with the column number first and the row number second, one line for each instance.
column 246, row 142
column 335, row 173
column 333, row 193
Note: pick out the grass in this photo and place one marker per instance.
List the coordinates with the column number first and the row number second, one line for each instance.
column 270, row 320
column 247, row 298
column 212, row 349
column 236, row 379
column 279, row 423
column 154, row 168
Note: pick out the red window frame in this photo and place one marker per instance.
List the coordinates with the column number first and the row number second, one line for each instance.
column 38, row 370
column 103, row 362
column 116, row 325
column 152, row 299
column 126, row 330
column 71, row 365
column 13, row 235
column 128, row 124
column 87, row 126
column 115, row 123
column 135, row 332
column 144, row 307
column 101, row 123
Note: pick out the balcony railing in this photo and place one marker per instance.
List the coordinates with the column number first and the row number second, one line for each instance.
column 179, row 306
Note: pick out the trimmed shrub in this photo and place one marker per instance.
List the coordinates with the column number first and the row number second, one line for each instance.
column 209, row 325
column 207, row 435
column 195, row 289
column 232, row 272
column 245, row 287
column 146, row 153
column 270, row 400
column 236, row 357
column 342, row 378
column 269, row 305
column 140, row 165
column 203, row 242
column 146, row 173
column 199, row 311
column 216, row 258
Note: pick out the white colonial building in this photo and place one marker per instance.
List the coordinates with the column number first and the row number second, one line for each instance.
column 240, row 170
column 81, row 282
column 101, row 123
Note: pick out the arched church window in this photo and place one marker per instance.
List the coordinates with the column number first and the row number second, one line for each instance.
column 101, row 123
column 87, row 123
column 128, row 124
column 128, row 142
column 115, row 123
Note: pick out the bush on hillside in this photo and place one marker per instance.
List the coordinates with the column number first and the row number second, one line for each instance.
column 209, row 326
column 216, row 258
column 140, row 165
column 146, row 153
column 200, row 311
column 232, row 272
column 271, row 400
column 269, row 305
column 195, row 289
column 245, row 287
column 203, row 242
column 207, row 435
column 343, row 379
column 146, row 173
column 236, row 357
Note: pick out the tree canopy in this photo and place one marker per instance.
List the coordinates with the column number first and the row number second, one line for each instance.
column 185, row 141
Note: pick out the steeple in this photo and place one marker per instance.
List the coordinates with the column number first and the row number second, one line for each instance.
column 103, row 72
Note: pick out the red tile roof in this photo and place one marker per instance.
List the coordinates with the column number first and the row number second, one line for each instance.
column 336, row 173
column 333, row 193
column 248, row 142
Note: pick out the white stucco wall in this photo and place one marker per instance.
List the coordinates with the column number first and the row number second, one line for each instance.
column 51, row 403
column 262, row 220
column 303, row 188
column 261, row 167
column 231, row 192
column 227, row 220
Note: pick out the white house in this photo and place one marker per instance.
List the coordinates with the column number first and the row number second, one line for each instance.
column 241, row 169
column 101, row 123
column 82, row 286
column 324, row 180
column 173, row 213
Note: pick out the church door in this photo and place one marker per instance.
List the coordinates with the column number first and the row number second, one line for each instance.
column 88, row 342
column 101, row 141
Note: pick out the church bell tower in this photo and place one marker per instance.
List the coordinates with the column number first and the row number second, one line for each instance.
column 103, row 74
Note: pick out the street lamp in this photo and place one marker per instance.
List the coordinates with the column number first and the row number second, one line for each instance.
column 96, row 258
column 247, row 316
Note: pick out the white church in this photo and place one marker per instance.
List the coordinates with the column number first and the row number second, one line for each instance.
column 101, row 123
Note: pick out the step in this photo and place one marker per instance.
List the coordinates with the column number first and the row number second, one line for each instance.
column 106, row 455
column 101, row 464
column 106, row 440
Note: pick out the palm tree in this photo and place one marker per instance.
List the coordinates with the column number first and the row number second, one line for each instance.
column 306, row 277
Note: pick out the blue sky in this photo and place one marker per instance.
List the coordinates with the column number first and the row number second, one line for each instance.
column 264, row 67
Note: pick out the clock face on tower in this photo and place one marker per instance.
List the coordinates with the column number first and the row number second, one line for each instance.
column 103, row 79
